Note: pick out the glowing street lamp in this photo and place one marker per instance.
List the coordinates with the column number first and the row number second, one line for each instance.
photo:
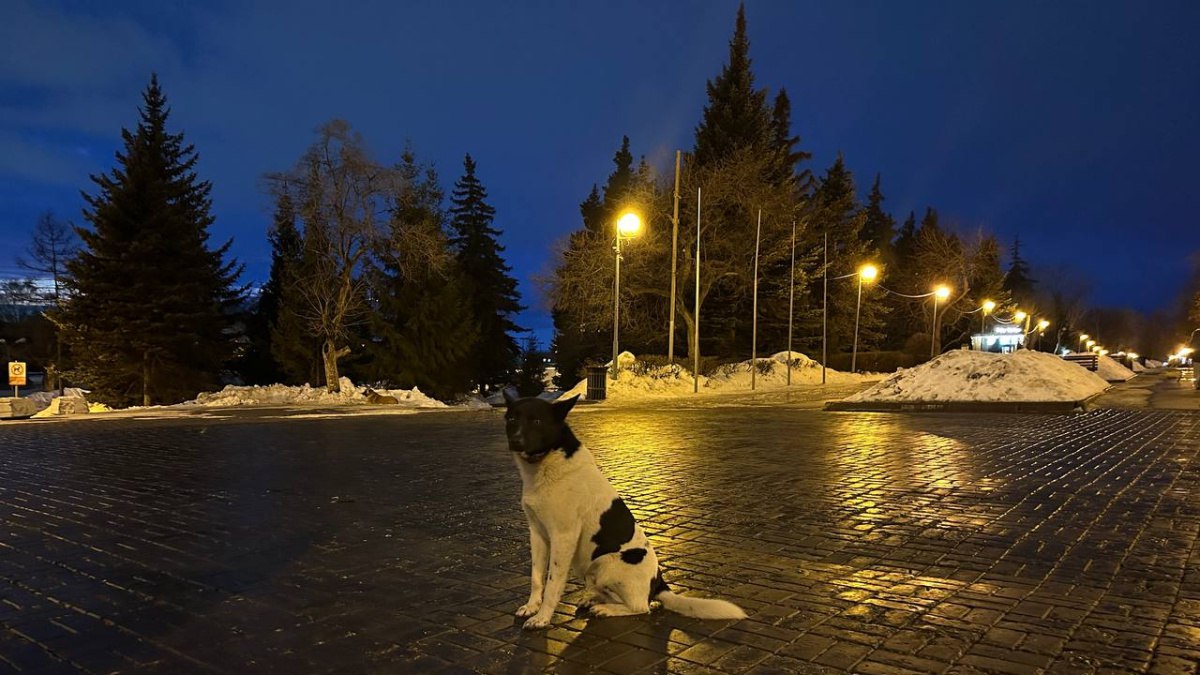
column 1041, row 326
column 866, row 273
column 988, row 306
column 628, row 225
column 940, row 293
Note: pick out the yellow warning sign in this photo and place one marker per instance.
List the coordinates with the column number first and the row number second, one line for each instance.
column 16, row 374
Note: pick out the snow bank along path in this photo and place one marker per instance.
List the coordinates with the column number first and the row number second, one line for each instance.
column 1023, row 376
column 278, row 394
column 638, row 381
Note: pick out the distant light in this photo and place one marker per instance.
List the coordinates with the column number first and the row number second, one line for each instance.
column 1020, row 316
column 1090, row 343
column 1083, row 337
column 868, row 272
column 1043, row 324
column 988, row 305
column 942, row 292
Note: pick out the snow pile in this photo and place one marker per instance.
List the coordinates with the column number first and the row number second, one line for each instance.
column 278, row 394
column 638, row 380
column 1023, row 376
column 72, row 402
column 1112, row 370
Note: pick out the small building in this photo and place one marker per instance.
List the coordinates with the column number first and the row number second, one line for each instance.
column 1002, row 339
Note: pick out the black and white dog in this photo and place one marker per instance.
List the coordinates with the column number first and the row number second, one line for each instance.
column 577, row 521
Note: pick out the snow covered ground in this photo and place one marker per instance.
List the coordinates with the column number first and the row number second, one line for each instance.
column 1023, row 376
column 638, row 381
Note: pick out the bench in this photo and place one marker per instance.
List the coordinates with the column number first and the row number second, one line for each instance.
column 1089, row 361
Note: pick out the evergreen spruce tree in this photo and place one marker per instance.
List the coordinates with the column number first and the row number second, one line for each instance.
column 836, row 213
column 785, row 145
column 423, row 333
column 879, row 228
column 1017, row 281
column 257, row 365
column 492, row 289
column 736, row 115
column 149, row 299
column 902, row 320
column 531, row 378
column 293, row 349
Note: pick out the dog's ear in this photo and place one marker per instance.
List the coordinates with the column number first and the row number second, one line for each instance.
column 561, row 408
column 509, row 397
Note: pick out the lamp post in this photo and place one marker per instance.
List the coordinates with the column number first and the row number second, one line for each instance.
column 1042, row 326
column 988, row 306
column 866, row 273
column 1083, row 337
column 1021, row 316
column 939, row 293
column 628, row 225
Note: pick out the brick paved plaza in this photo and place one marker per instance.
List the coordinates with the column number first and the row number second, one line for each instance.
column 874, row 543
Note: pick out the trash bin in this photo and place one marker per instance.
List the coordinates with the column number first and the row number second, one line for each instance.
column 597, row 379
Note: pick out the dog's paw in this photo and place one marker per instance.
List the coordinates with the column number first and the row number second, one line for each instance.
column 605, row 610
column 537, row 622
column 528, row 609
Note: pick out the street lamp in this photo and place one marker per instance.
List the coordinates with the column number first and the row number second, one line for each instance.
column 1042, row 326
column 988, row 306
column 866, row 273
column 940, row 293
column 628, row 225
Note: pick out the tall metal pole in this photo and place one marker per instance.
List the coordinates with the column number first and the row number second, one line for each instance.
column 674, row 254
column 857, row 310
column 616, row 305
column 825, row 310
column 791, row 304
column 933, row 334
column 754, row 320
column 696, row 327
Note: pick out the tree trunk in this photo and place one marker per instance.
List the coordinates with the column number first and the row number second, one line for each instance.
column 690, row 325
column 145, row 378
column 330, row 355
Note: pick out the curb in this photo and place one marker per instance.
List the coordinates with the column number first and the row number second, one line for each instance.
column 1045, row 408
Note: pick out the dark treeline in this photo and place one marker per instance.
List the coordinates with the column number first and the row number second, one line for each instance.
column 746, row 159
column 375, row 274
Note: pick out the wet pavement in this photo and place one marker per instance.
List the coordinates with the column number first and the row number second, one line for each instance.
column 865, row 542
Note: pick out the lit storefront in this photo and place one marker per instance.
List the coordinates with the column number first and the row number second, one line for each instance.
column 1002, row 340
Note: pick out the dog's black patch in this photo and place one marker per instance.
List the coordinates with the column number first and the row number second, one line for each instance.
column 616, row 528
column 633, row 556
column 658, row 585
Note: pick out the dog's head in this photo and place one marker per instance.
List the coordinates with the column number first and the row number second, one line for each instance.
column 535, row 428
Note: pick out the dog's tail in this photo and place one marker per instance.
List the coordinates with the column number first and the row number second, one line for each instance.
column 700, row 608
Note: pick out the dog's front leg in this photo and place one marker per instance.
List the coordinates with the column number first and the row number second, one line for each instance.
column 540, row 551
column 562, row 549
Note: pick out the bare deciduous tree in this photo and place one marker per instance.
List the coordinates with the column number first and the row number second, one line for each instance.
column 53, row 243
column 343, row 198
